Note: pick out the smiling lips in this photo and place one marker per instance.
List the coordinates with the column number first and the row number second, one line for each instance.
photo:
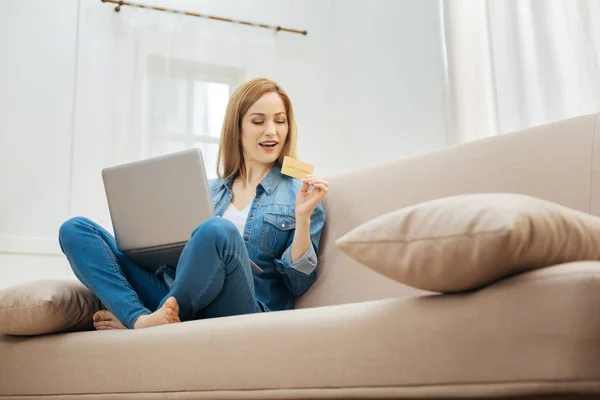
column 268, row 145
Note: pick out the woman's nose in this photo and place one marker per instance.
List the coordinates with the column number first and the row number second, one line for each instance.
column 270, row 129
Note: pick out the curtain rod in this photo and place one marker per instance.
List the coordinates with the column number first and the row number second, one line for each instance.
column 193, row 14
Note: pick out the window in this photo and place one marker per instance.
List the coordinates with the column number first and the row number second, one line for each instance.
column 186, row 107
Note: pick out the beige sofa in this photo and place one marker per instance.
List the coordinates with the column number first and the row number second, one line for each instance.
column 356, row 334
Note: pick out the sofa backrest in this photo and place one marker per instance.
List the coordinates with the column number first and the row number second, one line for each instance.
column 554, row 162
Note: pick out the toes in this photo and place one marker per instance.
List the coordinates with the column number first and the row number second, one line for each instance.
column 104, row 328
column 172, row 313
column 172, row 310
column 113, row 324
column 101, row 324
column 172, row 303
column 104, row 315
column 171, row 316
column 99, row 315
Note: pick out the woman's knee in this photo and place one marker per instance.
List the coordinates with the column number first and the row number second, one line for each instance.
column 72, row 228
column 216, row 227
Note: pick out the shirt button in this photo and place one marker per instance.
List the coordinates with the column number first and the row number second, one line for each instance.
column 246, row 238
column 251, row 215
column 283, row 225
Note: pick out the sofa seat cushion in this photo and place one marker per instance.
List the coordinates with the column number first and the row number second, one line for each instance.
column 534, row 333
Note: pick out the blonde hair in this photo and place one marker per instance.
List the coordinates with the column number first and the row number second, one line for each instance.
column 230, row 160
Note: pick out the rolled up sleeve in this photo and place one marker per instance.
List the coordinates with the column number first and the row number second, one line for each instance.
column 301, row 274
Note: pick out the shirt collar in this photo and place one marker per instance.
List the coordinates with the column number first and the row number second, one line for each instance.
column 269, row 183
column 272, row 179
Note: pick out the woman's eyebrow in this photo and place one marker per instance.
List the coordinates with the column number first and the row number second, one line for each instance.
column 262, row 114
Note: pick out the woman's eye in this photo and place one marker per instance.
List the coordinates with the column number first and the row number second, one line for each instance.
column 280, row 122
column 257, row 122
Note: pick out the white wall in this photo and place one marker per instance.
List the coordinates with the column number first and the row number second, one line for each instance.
column 385, row 78
column 370, row 75
column 367, row 84
column 37, row 50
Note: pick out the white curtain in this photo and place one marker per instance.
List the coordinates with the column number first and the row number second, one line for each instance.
column 128, row 86
column 513, row 64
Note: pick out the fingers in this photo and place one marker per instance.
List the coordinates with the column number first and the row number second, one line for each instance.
column 305, row 185
column 322, row 187
column 313, row 180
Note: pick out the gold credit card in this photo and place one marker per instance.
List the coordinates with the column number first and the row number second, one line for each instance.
column 296, row 169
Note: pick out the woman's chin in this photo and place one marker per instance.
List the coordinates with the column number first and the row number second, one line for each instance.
column 269, row 159
column 265, row 158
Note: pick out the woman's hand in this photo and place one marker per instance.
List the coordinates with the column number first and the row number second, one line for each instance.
column 307, row 200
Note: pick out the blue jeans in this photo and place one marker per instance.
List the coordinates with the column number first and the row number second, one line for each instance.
column 213, row 277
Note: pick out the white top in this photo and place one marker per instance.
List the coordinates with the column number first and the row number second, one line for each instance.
column 238, row 217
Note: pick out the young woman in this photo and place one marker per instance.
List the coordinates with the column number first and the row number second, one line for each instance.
column 260, row 215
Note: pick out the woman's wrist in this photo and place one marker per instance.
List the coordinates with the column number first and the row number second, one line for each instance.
column 302, row 219
column 301, row 241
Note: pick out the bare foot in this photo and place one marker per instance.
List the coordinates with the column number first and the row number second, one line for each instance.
column 105, row 320
column 167, row 314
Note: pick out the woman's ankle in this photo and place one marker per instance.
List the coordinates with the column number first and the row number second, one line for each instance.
column 140, row 322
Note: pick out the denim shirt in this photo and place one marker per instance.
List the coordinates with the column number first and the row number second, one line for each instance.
column 268, row 236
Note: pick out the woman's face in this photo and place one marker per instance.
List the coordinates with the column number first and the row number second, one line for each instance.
column 264, row 129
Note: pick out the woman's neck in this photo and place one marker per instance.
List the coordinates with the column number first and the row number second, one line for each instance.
column 255, row 173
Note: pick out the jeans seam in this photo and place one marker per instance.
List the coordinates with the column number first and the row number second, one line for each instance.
column 240, row 261
column 145, row 274
column 151, row 281
column 203, row 290
column 111, row 256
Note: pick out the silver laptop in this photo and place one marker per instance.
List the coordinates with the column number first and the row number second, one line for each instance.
column 155, row 205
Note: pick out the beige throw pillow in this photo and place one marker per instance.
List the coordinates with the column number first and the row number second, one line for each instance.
column 464, row 242
column 49, row 306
